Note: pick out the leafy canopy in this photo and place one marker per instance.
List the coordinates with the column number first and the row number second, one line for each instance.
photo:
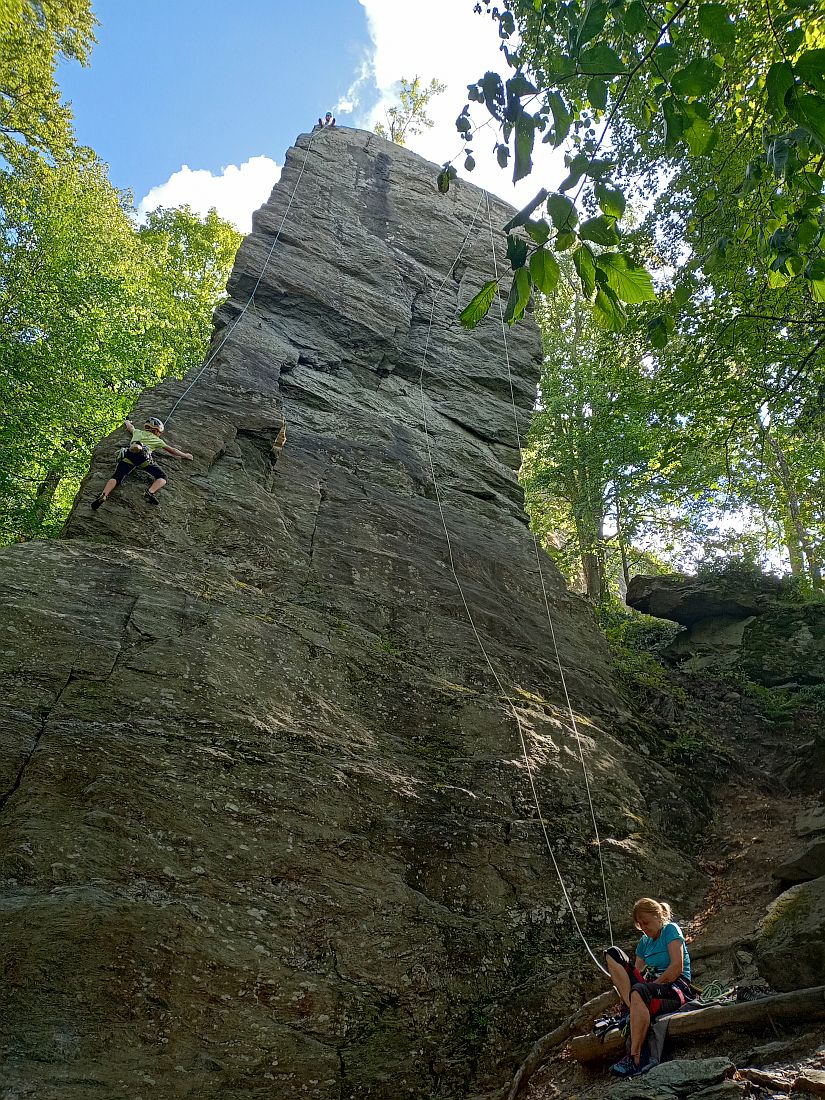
column 635, row 90
column 93, row 309
column 34, row 34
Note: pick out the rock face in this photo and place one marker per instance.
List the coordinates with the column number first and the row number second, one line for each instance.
column 266, row 826
column 737, row 624
column 790, row 946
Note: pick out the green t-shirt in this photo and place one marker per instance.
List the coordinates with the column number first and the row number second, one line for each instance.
column 148, row 439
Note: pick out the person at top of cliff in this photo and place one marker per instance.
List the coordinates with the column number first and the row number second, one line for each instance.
column 655, row 983
column 139, row 456
column 327, row 120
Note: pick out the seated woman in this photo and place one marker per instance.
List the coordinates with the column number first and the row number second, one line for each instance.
column 655, row 983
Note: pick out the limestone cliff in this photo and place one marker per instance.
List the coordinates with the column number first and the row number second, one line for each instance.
column 266, row 828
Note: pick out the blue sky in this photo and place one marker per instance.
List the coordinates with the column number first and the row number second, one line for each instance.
column 209, row 83
column 197, row 101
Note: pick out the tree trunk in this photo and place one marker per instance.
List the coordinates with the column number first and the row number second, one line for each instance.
column 45, row 495
column 794, row 511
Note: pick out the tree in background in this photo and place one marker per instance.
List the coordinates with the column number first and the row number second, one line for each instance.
column 93, row 307
column 92, row 310
column 613, row 473
column 34, row 34
column 409, row 117
column 713, row 117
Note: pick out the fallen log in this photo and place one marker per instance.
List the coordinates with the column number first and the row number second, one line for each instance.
column 581, row 1020
column 802, row 1004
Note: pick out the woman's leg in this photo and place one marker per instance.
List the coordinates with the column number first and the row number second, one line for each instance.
column 639, row 1024
column 107, row 488
column 159, row 478
column 620, row 978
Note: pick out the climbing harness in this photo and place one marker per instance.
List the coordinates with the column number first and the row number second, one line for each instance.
column 230, row 328
column 505, row 694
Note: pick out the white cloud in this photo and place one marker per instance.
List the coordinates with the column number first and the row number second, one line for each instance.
column 235, row 193
column 445, row 40
column 350, row 101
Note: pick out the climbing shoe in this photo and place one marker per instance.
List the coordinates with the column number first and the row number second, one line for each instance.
column 624, row 1066
column 96, row 503
column 151, row 498
column 627, row 1067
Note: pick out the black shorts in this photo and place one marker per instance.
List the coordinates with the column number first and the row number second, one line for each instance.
column 660, row 997
column 125, row 467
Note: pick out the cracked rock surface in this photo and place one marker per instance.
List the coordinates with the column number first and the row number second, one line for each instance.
column 266, row 827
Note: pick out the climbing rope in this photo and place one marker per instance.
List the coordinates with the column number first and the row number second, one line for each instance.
column 573, row 721
column 251, row 298
column 505, row 694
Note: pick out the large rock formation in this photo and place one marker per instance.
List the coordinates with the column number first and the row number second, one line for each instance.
column 266, row 826
column 744, row 624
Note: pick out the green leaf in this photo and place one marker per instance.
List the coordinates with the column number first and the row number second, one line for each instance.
column 502, row 155
column 562, row 212
column 479, row 307
column 446, row 174
column 469, row 163
column 778, row 82
column 523, row 216
column 600, row 60
column 565, row 241
column 666, row 57
column 715, row 24
column 601, row 230
column 562, row 119
column 674, row 122
column 544, row 271
column 577, row 168
column 635, row 18
column 659, row 330
column 608, row 311
column 628, row 281
column 807, row 233
column 525, row 136
column 586, row 269
column 699, row 134
column 516, row 252
column 539, row 231
column 597, row 93
column 698, row 78
column 810, row 67
column 519, row 85
column 593, row 23
column 610, row 199
column 808, row 111
column 519, row 296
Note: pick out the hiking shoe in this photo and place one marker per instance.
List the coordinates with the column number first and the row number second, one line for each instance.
column 624, row 1067
column 151, row 498
column 96, row 503
column 645, row 1063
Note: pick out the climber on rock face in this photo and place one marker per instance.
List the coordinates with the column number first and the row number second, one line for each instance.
column 138, row 456
column 327, row 120
column 656, row 982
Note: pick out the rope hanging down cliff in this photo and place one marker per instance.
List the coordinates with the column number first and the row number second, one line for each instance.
column 469, row 613
column 573, row 722
column 251, row 298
